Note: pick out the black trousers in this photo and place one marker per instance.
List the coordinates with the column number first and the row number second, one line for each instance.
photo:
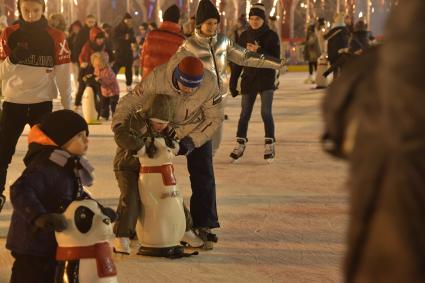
column 108, row 104
column 312, row 66
column 12, row 122
column 203, row 206
column 33, row 269
column 128, row 65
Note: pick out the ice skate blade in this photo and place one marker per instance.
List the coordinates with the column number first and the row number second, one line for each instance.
column 269, row 160
column 232, row 160
column 120, row 252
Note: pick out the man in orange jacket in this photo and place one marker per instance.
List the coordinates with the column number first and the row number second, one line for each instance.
column 160, row 44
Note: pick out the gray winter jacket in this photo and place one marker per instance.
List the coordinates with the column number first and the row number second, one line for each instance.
column 197, row 116
column 215, row 51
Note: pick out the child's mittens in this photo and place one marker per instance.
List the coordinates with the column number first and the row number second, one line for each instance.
column 51, row 221
column 150, row 148
column 175, row 148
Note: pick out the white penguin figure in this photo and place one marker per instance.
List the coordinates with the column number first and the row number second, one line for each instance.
column 83, row 247
column 89, row 106
column 322, row 66
column 162, row 217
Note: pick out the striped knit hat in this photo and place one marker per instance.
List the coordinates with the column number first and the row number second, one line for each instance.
column 189, row 72
column 258, row 10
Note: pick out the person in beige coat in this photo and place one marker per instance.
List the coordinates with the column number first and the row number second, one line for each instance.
column 198, row 115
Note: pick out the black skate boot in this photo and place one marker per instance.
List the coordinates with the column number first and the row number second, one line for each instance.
column 239, row 149
column 269, row 152
column 208, row 237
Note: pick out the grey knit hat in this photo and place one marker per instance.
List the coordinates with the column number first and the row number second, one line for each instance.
column 162, row 108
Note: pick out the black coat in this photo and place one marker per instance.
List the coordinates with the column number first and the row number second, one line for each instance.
column 122, row 46
column 359, row 41
column 81, row 39
column 337, row 39
column 257, row 79
column 43, row 187
column 71, row 43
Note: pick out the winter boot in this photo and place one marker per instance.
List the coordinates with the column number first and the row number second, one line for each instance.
column 269, row 152
column 239, row 149
column 122, row 245
column 207, row 237
column 192, row 240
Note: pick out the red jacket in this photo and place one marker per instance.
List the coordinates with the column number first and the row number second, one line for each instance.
column 160, row 45
column 91, row 47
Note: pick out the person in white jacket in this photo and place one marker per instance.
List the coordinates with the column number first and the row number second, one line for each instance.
column 34, row 65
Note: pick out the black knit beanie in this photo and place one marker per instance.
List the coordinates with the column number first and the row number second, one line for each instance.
column 172, row 14
column 61, row 126
column 258, row 10
column 37, row 1
column 206, row 10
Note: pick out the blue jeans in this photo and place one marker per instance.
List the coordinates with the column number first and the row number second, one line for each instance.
column 247, row 104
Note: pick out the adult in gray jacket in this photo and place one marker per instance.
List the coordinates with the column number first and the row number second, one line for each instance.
column 198, row 115
column 215, row 49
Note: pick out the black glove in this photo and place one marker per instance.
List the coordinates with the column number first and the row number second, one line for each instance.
column 234, row 92
column 2, row 201
column 169, row 135
column 169, row 132
column 19, row 53
column 186, row 146
column 51, row 221
column 150, row 147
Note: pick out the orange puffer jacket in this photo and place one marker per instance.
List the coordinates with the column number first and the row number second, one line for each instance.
column 160, row 45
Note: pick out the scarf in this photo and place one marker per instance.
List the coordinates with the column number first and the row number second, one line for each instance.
column 78, row 164
column 35, row 26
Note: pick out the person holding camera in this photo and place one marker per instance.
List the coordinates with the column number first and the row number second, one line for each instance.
column 258, row 38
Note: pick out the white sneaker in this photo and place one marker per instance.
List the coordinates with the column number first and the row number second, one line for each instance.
column 192, row 240
column 122, row 245
column 129, row 88
column 269, row 151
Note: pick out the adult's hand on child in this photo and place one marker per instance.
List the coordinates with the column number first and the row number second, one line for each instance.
column 51, row 221
column 19, row 53
column 186, row 146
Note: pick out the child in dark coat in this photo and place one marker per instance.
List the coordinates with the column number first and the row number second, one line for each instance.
column 54, row 175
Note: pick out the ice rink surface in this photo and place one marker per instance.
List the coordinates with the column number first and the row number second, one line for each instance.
column 280, row 222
